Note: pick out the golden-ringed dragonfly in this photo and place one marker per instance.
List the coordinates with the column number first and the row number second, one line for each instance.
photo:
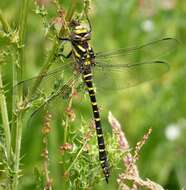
column 115, row 69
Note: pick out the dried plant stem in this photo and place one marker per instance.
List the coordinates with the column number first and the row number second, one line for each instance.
column 66, row 129
column 67, row 119
column 131, row 173
column 46, row 131
column 48, row 185
column 18, row 92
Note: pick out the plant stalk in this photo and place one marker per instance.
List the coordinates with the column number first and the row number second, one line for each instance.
column 5, row 120
column 4, row 23
column 18, row 69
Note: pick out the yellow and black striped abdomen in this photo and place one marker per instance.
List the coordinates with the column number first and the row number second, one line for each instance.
column 85, row 59
column 87, row 75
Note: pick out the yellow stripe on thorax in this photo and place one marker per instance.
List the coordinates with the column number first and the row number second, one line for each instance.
column 80, row 30
column 81, row 48
column 76, row 53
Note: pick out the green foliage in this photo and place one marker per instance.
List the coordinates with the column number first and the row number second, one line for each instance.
column 28, row 43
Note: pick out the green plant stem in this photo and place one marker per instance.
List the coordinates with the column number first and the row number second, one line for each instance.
column 5, row 120
column 4, row 23
column 84, row 144
column 71, row 10
column 18, row 92
column 18, row 137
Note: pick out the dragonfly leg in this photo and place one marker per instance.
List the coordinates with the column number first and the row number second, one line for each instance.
column 60, row 54
column 64, row 39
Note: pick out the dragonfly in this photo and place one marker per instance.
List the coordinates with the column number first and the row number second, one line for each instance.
column 112, row 70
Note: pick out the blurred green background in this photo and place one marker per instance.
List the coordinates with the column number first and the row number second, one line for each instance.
column 160, row 104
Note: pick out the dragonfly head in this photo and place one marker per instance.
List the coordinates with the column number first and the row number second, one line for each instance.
column 80, row 32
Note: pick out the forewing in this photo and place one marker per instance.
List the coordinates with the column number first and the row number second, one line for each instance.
column 50, row 81
column 153, row 50
column 127, row 67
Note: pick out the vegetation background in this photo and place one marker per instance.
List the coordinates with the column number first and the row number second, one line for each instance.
column 159, row 104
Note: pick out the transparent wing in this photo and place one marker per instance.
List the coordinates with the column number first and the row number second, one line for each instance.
column 125, row 76
column 49, row 81
column 124, row 68
column 151, row 50
column 63, row 91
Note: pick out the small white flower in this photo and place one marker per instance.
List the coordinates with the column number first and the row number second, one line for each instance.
column 172, row 132
column 148, row 25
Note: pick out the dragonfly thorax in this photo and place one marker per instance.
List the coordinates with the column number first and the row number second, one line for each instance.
column 80, row 32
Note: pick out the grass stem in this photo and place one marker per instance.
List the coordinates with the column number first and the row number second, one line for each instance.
column 5, row 120
column 18, row 92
